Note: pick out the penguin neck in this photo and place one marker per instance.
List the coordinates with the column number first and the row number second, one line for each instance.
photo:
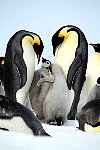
column 66, row 51
column 29, row 58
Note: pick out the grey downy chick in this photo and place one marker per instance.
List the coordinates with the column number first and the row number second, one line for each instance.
column 56, row 101
column 35, row 91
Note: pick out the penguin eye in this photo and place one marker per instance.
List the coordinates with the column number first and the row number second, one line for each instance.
column 48, row 62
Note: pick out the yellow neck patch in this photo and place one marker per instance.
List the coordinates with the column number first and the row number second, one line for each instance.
column 2, row 62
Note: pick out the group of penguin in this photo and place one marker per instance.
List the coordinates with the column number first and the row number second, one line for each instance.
column 79, row 83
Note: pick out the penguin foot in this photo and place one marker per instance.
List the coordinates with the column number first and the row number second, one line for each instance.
column 71, row 115
column 56, row 123
column 4, row 129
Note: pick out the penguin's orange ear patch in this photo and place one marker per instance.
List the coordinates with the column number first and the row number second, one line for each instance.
column 2, row 62
column 60, row 35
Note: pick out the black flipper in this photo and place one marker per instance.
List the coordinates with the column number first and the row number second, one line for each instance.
column 77, row 86
column 73, row 70
column 22, row 70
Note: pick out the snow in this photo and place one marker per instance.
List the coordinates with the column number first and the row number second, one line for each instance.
column 66, row 137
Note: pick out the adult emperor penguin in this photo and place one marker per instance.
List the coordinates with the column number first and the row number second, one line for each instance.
column 70, row 48
column 19, row 60
column 19, row 64
column 16, row 117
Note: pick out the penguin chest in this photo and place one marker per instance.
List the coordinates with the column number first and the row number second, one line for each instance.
column 15, row 124
column 65, row 57
column 29, row 58
column 93, row 71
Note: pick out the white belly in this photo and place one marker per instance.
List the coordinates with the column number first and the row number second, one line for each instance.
column 15, row 124
column 64, row 58
column 29, row 58
column 92, row 74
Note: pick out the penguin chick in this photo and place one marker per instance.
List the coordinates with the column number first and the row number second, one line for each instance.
column 19, row 64
column 89, row 116
column 55, row 106
column 44, row 83
column 36, row 94
column 16, row 117
column 95, row 92
column 70, row 49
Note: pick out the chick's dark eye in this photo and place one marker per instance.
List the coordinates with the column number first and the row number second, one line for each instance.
column 47, row 62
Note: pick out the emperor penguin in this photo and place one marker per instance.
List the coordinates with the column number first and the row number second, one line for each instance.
column 19, row 64
column 37, row 93
column 19, row 60
column 2, row 92
column 89, row 116
column 92, row 74
column 55, row 106
column 16, row 117
column 70, row 49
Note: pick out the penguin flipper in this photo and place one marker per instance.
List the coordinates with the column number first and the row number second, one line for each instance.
column 73, row 70
column 22, row 70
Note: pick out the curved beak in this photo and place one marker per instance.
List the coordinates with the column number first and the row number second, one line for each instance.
column 38, row 57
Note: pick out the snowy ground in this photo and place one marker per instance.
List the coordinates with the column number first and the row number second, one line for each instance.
column 65, row 137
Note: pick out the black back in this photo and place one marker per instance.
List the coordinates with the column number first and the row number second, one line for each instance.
column 15, row 72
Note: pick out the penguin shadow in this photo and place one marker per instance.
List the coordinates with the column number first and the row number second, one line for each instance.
column 56, row 100
column 89, row 116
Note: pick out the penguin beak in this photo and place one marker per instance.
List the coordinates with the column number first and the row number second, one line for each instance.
column 38, row 57
column 54, row 51
column 94, row 45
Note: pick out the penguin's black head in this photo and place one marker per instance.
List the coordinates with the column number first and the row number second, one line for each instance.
column 46, row 63
column 96, row 47
column 63, row 33
column 38, row 48
column 57, row 39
